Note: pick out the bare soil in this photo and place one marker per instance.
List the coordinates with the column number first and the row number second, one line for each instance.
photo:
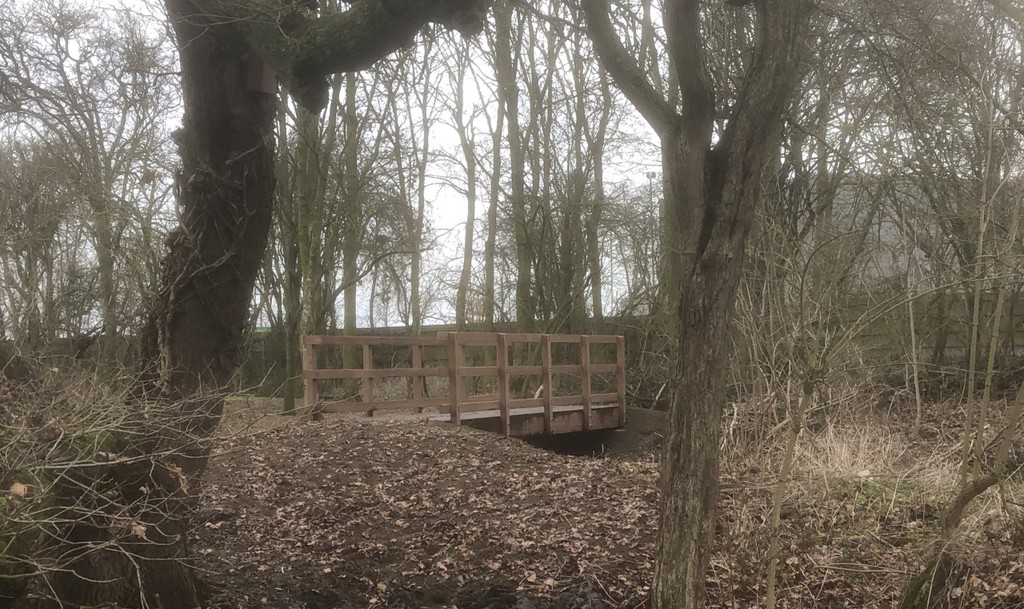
column 396, row 514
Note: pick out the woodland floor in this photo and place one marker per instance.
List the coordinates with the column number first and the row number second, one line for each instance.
column 353, row 513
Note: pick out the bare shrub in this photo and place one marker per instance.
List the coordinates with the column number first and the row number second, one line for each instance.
column 85, row 484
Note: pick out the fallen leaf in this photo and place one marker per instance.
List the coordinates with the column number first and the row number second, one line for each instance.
column 19, row 490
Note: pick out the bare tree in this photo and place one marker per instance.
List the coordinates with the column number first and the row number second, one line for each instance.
column 463, row 64
column 715, row 189
column 97, row 98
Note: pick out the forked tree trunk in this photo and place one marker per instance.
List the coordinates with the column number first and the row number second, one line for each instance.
column 711, row 198
column 712, row 194
column 226, row 196
column 728, row 191
column 225, row 204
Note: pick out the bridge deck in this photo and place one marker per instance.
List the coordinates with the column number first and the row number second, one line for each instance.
column 530, row 421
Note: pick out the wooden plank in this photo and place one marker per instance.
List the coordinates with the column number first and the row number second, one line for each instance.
column 567, row 400
column 598, row 400
column 394, row 341
column 491, row 338
column 620, row 377
column 533, row 410
column 564, row 338
column 484, row 339
column 469, row 338
column 545, row 358
column 525, row 337
column 605, row 418
column 517, row 403
column 482, row 397
column 480, row 406
column 376, row 373
column 347, row 407
column 310, row 394
column 503, row 383
column 585, row 379
column 460, row 351
column 566, row 369
column 477, row 339
column 454, row 380
column 600, row 368
column 478, row 371
column 525, row 370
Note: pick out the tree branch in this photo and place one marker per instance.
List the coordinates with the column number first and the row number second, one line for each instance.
column 304, row 48
column 625, row 70
column 686, row 48
column 775, row 69
column 1010, row 10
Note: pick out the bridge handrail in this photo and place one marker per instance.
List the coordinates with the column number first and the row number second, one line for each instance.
column 457, row 370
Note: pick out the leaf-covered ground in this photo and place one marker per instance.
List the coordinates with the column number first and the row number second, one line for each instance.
column 402, row 514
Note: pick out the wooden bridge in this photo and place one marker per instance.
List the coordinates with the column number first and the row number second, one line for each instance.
column 505, row 390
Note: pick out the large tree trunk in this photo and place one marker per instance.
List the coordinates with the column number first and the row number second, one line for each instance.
column 724, row 184
column 192, row 343
column 226, row 196
column 226, row 190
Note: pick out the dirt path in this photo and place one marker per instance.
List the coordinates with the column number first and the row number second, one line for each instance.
column 409, row 514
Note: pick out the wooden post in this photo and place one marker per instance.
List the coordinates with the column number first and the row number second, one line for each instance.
column 503, row 383
column 585, row 379
column 545, row 360
column 620, row 377
column 310, row 394
column 417, row 381
column 454, row 385
column 367, row 382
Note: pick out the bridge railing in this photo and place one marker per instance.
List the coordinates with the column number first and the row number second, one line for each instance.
column 457, row 401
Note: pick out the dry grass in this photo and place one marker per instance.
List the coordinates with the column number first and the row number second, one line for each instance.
column 874, row 452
